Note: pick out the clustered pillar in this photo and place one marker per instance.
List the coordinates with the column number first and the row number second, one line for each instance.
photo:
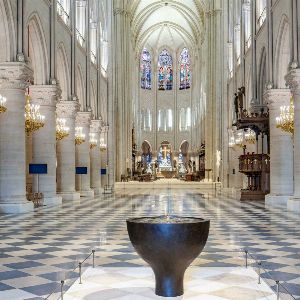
column 293, row 81
column 66, row 152
column 44, row 142
column 281, row 150
column 95, row 158
column 14, row 78
column 83, row 181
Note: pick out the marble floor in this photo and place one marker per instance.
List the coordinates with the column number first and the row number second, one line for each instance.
column 38, row 250
column 200, row 284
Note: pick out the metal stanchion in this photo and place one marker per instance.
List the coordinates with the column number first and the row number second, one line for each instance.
column 62, row 290
column 246, row 253
column 277, row 289
column 79, row 265
column 259, row 273
column 93, row 251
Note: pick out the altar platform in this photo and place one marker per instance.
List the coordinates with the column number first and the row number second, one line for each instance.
column 169, row 184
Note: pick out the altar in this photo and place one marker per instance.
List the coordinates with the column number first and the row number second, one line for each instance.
column 168, row 174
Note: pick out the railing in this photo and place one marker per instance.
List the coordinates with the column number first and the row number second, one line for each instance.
column 281, row 291
column 60, row 289
column 262, row 17
column 260, row 267
column 63, row 14
column 254, row 163
column 250, row 260
column 80, row 38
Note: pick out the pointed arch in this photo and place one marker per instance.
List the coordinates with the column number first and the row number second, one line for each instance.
column 165, row 71
column 7, row 32
column 282, row 53
column 185, row 70
column 146, row 70
column 63, row 72
column 36, row 49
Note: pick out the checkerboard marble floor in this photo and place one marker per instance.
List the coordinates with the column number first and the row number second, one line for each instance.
column 38, row 250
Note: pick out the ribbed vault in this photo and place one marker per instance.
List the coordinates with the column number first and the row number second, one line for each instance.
column 157, row 23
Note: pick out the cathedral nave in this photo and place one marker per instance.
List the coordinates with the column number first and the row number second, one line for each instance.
column 149, row 149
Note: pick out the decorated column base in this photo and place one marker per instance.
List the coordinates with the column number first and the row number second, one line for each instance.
column 69, row 196
column 98, row 191
column 88, row 194
column 8, row 207
column 276, row 200
column 293, row 204
column 53, row 201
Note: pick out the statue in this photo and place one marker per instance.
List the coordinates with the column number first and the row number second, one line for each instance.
column 240, row 100
column 236, row 105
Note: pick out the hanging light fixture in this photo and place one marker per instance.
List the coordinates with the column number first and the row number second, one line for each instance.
column 79, row 136
column 33, row 118
column 250, row 137
column 61, row 130
column 239, row 140
column 93, row 141
column 2, row 104
column 103, row 146
column 285, row 121
column 231, row 142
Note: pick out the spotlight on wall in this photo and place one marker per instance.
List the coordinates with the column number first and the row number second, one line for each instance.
column 79, row 136
column 2, row 104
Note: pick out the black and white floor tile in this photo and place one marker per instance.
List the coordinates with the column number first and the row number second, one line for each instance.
column 39, row 250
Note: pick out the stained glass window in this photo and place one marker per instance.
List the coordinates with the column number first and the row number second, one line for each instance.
column 185, row 71
column 165, row 71
column 145, row 70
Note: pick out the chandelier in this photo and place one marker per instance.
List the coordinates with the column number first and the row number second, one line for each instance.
column 2, row 104
column 232, row 142
column 61, row 130
column 239, row 140
column 250, row 137
column 93, row 141
column 79, row 136
column 103, row 146
column 33, row 118
column 286, row 119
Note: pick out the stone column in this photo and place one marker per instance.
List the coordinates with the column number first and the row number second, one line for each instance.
column 293, row 81
column 281, row 150
column 44, row 142
column 95, row 157
column 66, row 152
column 13, row 82
column 83, row 182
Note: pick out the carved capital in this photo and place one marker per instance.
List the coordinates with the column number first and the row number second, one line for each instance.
column 45, row 95
column 83, row 119
column 15, row 75
column 95, row 126
column 104, row 129
column 67, row 109
column 275, row 98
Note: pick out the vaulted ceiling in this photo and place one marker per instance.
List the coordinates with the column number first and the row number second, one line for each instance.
column 174, row 23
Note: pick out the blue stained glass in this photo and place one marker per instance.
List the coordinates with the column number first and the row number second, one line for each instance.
column 145, row 70
column 165, row 71
column 185, row 71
